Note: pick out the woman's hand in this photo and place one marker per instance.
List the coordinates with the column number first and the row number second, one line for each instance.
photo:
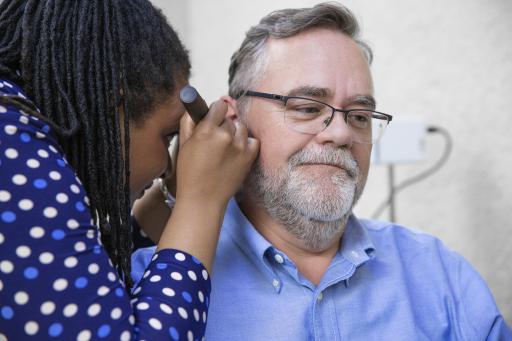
column 214, row 158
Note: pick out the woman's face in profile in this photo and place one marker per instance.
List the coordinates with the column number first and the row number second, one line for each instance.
column 149, row 143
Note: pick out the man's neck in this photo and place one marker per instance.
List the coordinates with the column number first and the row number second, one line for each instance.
column 312, row 264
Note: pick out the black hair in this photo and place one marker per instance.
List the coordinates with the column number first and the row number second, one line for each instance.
column 79, row 61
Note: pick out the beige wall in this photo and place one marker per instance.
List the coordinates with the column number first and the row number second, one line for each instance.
column 448, row 62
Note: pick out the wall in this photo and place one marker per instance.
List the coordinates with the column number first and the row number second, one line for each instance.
column 448, row 62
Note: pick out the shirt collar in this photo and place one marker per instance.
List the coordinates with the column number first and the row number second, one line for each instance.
column 244, row 234
column 356, row 244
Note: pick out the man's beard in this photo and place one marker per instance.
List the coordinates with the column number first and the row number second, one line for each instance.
column 314, row 208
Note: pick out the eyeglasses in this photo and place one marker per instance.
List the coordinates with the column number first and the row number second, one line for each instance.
column 307, row 115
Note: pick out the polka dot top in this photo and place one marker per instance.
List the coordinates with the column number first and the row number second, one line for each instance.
column 56, row 279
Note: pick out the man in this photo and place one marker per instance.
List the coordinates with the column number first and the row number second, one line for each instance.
column 293, row 263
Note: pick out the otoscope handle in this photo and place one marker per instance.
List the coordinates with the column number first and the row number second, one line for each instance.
column 194, row 103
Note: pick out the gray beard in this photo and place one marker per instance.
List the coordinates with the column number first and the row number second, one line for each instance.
column 312, row 208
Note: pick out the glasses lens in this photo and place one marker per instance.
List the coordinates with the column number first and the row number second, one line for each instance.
column 367, row 126
column 306, row 116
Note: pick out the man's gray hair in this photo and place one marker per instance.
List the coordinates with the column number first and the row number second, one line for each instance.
column 249, row 61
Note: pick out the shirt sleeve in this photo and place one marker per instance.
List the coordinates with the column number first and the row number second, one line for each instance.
column 56, row 279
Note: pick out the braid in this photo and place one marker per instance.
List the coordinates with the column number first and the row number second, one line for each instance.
column 80, row 61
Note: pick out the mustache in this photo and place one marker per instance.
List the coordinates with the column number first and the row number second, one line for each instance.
column 328, row 155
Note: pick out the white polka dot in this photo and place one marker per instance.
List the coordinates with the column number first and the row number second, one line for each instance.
column 36, row 232
column 26, row 204
column 43, row 153
column 94, row 309
column 143, row 306
column 23, row 251
column 52, row 148
column 146, row 274
column 24, row 119
column 2, row 238
column 182, row 312
column 19, row 179
column 196, row 315
column 103, row 290
column 192, row 275
column 80, row 246
column 50, row 212
column 31, row 328
column 74, row 189
column 156, row 324
column 70, row 310
column 54, row 175
column 90, row 234
column 116, row 313
column 200, row 296
column 11, row 153
column 60, row 284
column 190, row 336
column 204, row 316
column 155, row 278
column 131, row 319
column 5, row 196
column 112, row 277
column 155, row 256
column 62, row 198
column 40, row 135
column 84, row 335
column 93, row 268
column 1, row 285
column 72, row 223
column 33, row 163
column 87, row 201
column 205, row 274
column 47, row 308
column 70, row 262
column 3, row 337
column 136, row 291
column 180, row 256
column 125, row 336
column 176, row 276
column 165, row 308
column 21, row 298
column 46, row 257
column 10, row 129
column 168, row 292
column 6, row 266
column 3, row 109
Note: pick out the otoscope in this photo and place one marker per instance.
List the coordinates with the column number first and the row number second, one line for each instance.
column 197, row 109
column 194, row 103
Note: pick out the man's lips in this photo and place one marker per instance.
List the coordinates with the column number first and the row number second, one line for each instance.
column 328, row 164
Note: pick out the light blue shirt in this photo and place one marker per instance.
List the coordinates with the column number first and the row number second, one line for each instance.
column 385, row 283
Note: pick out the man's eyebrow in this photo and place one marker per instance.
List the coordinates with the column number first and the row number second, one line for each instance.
column 364, row 100
column 310, row 91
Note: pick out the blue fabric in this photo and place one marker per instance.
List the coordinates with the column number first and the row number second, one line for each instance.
column 386, row 283
column 56, row 279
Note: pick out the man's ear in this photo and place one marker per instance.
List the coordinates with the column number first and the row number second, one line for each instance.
column 232, row 112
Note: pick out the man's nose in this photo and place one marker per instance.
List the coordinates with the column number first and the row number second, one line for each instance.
column 336, row 132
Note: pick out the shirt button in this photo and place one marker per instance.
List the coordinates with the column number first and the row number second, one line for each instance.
column 279, row 258
column 275, row 283
column 320, row 296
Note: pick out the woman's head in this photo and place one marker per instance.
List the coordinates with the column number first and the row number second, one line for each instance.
column 81, row 61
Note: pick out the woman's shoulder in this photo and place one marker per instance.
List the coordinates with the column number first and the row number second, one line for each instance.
column 16, row 122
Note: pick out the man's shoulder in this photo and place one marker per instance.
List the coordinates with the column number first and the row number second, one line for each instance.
column 383, row 231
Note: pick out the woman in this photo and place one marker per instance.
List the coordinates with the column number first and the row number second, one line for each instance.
column 88, row 101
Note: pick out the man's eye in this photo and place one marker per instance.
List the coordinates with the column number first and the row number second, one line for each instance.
column 359, row 119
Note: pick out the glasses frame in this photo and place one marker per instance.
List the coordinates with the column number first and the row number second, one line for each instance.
column 375, row 114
